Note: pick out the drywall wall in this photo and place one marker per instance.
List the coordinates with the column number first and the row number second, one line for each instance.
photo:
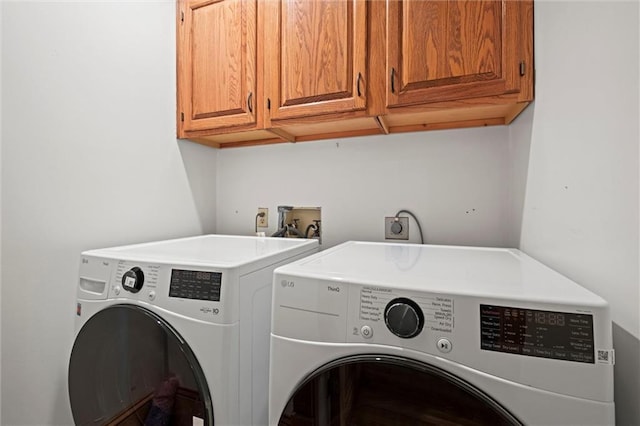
column 1, row 7
column 89, row 159
column 455, row 182
column 581, row 205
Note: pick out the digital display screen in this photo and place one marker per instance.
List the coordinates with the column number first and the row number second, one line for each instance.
column 198, row 285
column 545, row 334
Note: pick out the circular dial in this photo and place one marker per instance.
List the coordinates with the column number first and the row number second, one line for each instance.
column 404, row 318
column 133, row 279
column 396, row 227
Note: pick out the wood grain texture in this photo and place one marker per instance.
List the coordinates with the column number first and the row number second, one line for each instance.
column 376, row 57
column 218, row 64
column 338, row 135
column 345, row 125
column 255, row 136
column 444, row 50
column 525, row 30
column 181, row 67
column 514, row 111
column 332, row 117
column 316, row 50
column 424, row 41
column 315, row 55
column 449, row 125
column 218, row 58
column 473, row 38
column 457, row 64
column 464, row 113
column 305, row 132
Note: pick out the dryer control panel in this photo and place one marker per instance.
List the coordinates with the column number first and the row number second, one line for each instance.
column 198, row 285
column 437, row 310
column 547, row 334
column 529, row 342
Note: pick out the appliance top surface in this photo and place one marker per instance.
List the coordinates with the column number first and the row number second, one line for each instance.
column 472, row 271
column 211, row 250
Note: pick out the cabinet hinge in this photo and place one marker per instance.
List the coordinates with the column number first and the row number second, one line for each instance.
column 268, row 103
column 521, row 68
column 182, row 116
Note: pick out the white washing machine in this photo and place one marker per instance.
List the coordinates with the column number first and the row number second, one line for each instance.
column 400, row 334
column 176, row 332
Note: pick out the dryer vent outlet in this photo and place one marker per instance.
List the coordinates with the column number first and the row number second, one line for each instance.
column 396, row 228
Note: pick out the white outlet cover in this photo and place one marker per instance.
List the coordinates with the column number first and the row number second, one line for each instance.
column 263, row 222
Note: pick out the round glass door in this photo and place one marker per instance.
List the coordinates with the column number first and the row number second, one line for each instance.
column 389, row 391
column 129, row 366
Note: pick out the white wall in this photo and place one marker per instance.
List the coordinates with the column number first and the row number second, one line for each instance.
column 1, row 7
column 455, row 182
column 581, row 205
column 89, row 160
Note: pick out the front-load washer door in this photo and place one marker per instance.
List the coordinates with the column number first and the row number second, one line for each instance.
column 129, row 366
column 388, row 391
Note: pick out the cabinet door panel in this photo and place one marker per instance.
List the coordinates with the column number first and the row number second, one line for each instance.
column 219, row 64
column 423, row 26
column 448, row 50
column 315, row 37
column 315, row 53
column 217, row 60
column 473, row 40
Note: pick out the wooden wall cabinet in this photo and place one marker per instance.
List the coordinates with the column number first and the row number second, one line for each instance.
column 266, row 71
column 316, row 57
column 219, row 63
column 457, row 63
column 316, row 70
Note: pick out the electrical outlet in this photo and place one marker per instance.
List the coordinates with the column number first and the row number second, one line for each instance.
column 263, row 221
column 396, row 229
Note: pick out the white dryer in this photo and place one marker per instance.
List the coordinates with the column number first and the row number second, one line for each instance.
column 401, row 334
column 176, row 332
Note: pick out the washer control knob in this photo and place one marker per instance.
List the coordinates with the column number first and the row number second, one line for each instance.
column 116, row 290
column 404, row 318
column 133, row 279
column 444, row 345
column 152, row 295
column 366, row 331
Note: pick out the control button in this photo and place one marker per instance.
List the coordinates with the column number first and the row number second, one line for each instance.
column 366, row 331
column 404, row 318
column 444, row 345
column 116, row 290
column 152, row 295
column 133, row 279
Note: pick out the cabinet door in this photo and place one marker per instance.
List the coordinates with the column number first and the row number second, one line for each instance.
column 451, row 50
column 315, row 54
column 217, row 59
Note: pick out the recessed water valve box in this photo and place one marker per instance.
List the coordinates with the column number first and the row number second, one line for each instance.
column 299, row 222
column 396, row 228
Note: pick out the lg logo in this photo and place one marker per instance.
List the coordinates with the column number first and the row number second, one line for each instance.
column 287, row 283
column 334, row 289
